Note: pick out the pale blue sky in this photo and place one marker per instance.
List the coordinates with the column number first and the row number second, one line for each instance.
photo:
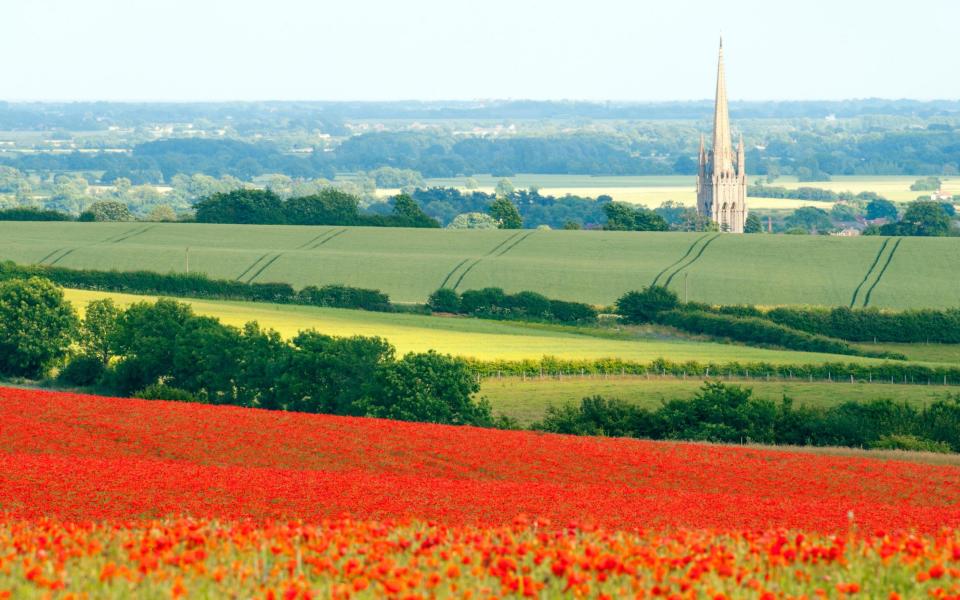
column 452, row 49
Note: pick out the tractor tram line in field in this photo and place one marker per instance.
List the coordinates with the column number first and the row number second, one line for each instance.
column 687, row 265
column 514, row 240
column 679, row 260
column 328, row 238
column 265, row 266
column 453, row 271
column 866, row 299
column 866, row 276
column 304, row 245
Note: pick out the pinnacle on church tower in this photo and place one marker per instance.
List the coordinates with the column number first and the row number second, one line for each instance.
column 721, row 178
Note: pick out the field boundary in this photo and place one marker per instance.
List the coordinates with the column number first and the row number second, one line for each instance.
column 679, row 260
column 866, row 299
column 876, row 259
column 703, row 248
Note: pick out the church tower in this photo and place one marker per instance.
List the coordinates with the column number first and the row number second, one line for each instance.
column 722, row 176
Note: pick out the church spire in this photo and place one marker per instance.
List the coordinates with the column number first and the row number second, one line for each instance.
column 722, row 146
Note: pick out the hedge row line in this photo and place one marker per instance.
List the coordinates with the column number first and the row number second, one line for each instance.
column 198, row 285
column 863, row 324
column 883, row 372
column 494, row 303
column 757, row 330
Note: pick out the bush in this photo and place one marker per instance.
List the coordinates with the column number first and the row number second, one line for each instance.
column 160, row 391
column 37, row 326
column 106, row 210
column 33, row 214
column 643, row 306
column 911, row 443
column 444, row 300
column 759, row 331
column 83, row 370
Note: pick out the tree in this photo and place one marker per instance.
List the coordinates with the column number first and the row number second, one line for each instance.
column 925, row 218
column 329, row 206
column 335, row 375
column 643, row 306
column 620, row 217
column 571, row 225
column 241, row 206
column 107, row 210
column 97, row 328
column 505, row 213
column 37, row 326
column 504, row 187
column 752, row 224
column 473, row 220
column 811, row 219
column 408, row 213
column 444, row 300
column 471, row 183
column 647, row 220
column 428, row 387
column 145, row 337
column 926, row 184
column 162, row 213
column 880, row 208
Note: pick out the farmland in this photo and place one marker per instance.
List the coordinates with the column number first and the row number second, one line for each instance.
column 654, row 190
column 594, row 267
column 477, row 338
column 440, row 510
column 527, row 400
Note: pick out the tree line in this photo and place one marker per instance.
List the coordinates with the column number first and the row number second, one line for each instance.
column 730, row 414
column 162, row 350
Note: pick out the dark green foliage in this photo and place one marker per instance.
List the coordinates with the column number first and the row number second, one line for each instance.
column 872, row 324
column 444, row 300
column 428, row 387
column 37, row 326
column 926, row 184
column 106, row 210
column 241, row 206
column 505, row 213
column 800, row 193
column 33, row 214
column 341, row 296
column 810, row 219
column 198, row 285
column 752, row 224
column 328, row 207
column 643, row 306
column 160, row 391
column 880, row 208
column 84, row 370
column 494, row 303
column 755, row 330
column 624, row 217
column 729, row 413
column 922, row 218
column 407, row 213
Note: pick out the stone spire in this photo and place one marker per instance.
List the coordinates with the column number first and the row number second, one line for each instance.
column 722, row 145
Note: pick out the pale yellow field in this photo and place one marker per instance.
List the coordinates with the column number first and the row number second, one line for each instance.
column 468, row 337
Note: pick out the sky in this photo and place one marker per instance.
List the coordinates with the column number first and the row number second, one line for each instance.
column 628, row 50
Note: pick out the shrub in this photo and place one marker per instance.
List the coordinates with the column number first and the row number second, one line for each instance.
column 643, row 306
column 911, row 443
column 33, row 214
column 444, row 300
column 83, row 370
column 37, row 326
column 160, row 391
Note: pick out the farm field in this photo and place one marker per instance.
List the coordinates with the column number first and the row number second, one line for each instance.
column 477, row 338
column 655, row 189
column 120, row 497
column 594, row 267
column 527, row 400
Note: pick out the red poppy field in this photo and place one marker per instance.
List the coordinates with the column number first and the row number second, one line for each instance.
column 117, row 497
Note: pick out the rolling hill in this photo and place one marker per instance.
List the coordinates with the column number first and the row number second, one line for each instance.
column 589, row 266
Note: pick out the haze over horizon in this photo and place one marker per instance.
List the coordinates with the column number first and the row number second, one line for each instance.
column 617, row 50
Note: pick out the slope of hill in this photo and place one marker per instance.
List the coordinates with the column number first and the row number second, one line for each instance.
column 588, row 266
column 87, row 457
column 478, row 338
